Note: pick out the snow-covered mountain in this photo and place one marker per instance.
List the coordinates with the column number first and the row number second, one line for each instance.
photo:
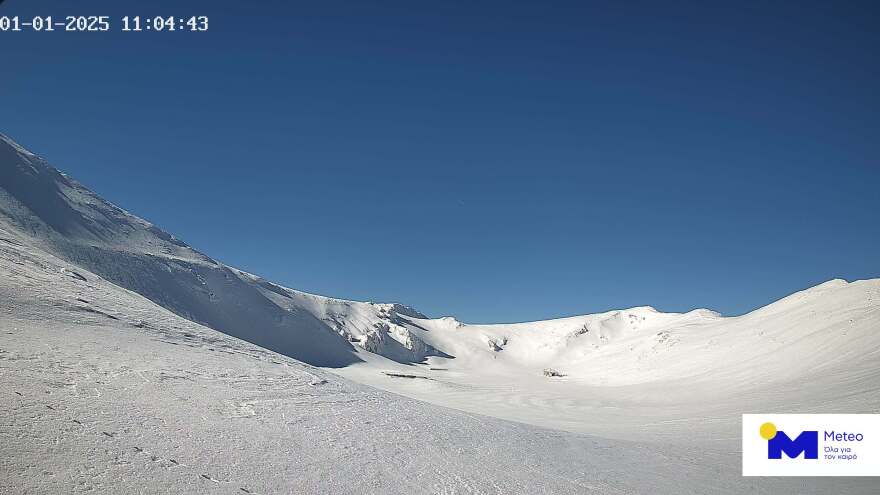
column 43, row 207
column 646, row 375
column 120, row 348
column 103, row 391
column 50, row 210
column 832, row 325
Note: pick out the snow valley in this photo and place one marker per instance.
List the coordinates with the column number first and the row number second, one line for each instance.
column 130, row 362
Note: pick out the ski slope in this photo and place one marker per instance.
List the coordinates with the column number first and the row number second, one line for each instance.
column 131, row 363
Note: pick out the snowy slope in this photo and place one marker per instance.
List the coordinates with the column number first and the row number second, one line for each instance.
column 833, row 325
column 52, row 211
column 108, row 317
column 642, row 374
column 104, row 391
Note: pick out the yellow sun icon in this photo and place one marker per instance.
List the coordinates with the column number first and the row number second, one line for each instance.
column 768, row 431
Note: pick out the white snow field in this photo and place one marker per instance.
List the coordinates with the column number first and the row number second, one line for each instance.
column 131, row 363
column 642, row 374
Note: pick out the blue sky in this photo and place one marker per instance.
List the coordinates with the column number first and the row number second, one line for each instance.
column 496, row 161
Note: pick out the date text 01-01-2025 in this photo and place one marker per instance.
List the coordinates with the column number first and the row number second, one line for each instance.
column 97, row 23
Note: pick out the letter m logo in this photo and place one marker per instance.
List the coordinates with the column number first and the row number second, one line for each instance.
column 807, row 442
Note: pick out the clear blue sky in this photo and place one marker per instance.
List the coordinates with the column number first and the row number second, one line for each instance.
column 496, row 161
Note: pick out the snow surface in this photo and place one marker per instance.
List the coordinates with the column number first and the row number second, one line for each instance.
column 641, row 374
column 122, row 370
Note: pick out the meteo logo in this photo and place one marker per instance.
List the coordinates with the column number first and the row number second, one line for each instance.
column 806, row 443
column 811, row 444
